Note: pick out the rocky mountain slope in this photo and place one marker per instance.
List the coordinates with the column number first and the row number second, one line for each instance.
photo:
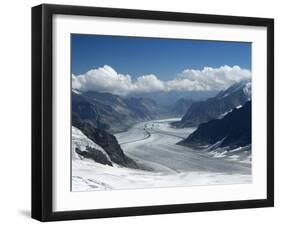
column 110, row 112
column 106, row 141
column 180, row 107
column 232, row 131
column 218, row 106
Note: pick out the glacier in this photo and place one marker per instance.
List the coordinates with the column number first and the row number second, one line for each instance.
column 163, row 163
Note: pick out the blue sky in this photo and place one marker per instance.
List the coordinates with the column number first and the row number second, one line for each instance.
column 163, row 57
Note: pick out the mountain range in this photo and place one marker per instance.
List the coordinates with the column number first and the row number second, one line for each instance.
column 111, row 112
column 232, row 131
column 97, row 116
column 180, row 107
column 168, row 99
column 114, row 113
column 218, row 106
column 223, row 121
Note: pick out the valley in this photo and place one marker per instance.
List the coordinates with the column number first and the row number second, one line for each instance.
column 162, row 163
column 121, row 142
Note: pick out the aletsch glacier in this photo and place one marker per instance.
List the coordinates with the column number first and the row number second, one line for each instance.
column 166, row 164
column 153, row 145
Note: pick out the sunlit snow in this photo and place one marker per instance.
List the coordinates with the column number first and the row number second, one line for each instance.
column 163, row 163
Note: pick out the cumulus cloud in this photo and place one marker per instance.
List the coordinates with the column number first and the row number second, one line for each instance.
column 209, row 78
column 106, row 79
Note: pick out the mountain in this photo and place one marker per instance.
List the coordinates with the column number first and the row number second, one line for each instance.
column 98, row 145
column 232, row 131
column 218, row 106
column 111, row 112
column 180, row 107
column 144, row 108
column 166, row 99
column 83, row 147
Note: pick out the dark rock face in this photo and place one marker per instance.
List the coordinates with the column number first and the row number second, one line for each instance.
column 233, row 130
column 212, row 108
column 94, row 154
column 106, row 140
column 180, row 107
column 111, row 112
column 144, row 108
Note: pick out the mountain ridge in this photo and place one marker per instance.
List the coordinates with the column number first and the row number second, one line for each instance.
column 105, row 140
column 113, row 113
column 232, row 131
column 212, row 108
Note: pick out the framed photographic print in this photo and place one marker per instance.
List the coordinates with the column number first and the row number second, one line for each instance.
column 146, row 112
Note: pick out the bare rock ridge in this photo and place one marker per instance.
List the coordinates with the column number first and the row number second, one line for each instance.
column 105, row 140
column 113, row 113
column 218, row 106
column 180, row 107
column 232, row 131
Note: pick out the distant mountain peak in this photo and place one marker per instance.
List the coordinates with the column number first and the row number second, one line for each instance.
column 179, row 108
column 212, row 108
column 112, row 113
column 244, row 85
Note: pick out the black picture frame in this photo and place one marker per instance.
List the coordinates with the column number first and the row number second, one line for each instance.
column 42, row 107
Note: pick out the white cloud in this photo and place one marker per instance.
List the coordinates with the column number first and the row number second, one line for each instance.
column 210, row 78
column 106, row 79
column 148, row 83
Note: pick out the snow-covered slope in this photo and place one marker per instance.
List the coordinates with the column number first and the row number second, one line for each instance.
column 248, row 90
column 245, row 85
column 162, row 163
column 82, row 143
